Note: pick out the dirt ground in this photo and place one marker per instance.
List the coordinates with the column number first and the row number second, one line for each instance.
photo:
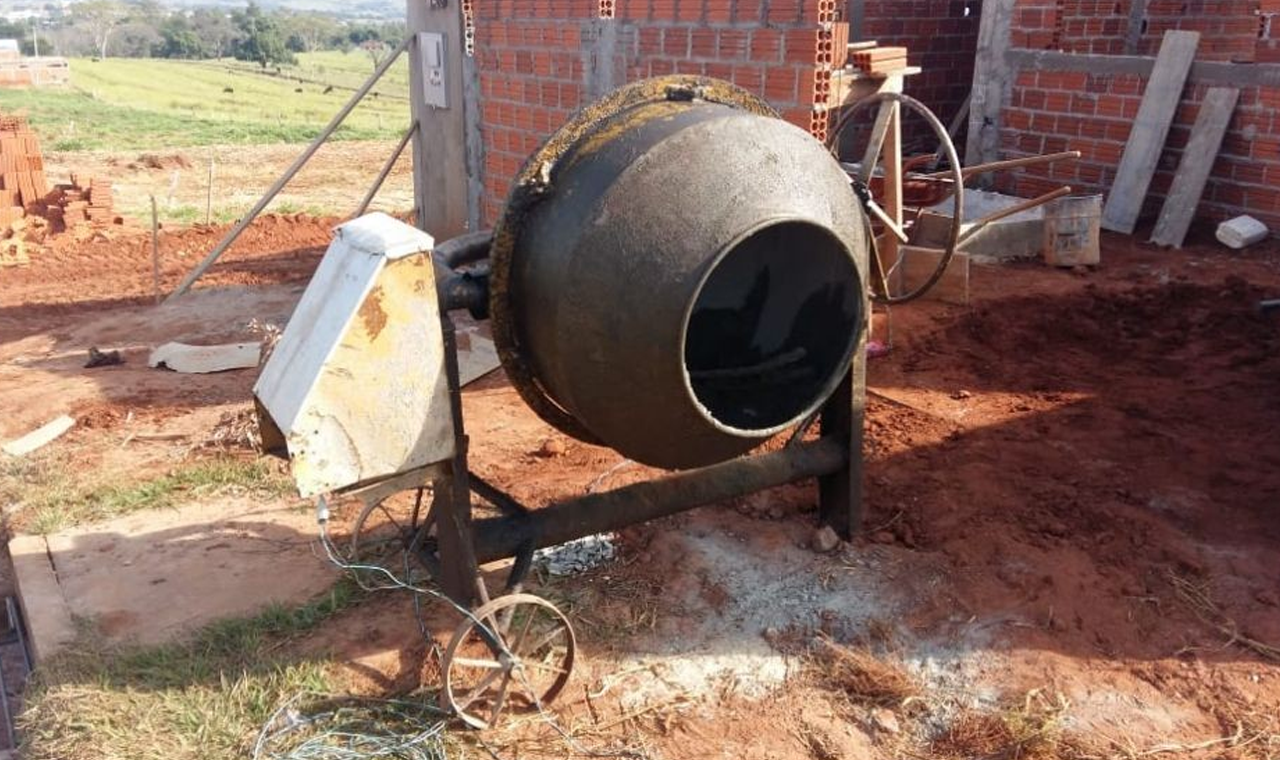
column 1071, row 485
column 334, row 180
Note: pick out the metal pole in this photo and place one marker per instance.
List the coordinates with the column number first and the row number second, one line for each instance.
column 289, row 173
column 155, row 250
column 208, row 201
column 386, row 170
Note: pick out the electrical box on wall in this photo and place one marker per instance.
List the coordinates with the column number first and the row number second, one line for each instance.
column 433, row 53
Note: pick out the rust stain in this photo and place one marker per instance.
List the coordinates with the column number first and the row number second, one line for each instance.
column 372, row 314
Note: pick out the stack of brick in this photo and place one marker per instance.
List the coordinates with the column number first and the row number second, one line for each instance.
column 78, row 204
column 1073, row 88
column 880, row 60
column 22, row 180
column 539, row 60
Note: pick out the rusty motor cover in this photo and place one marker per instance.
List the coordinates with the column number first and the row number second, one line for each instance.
column 678, row 274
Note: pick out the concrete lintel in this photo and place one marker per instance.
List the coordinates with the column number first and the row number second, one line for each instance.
column 1202, row 72
column 49, row 623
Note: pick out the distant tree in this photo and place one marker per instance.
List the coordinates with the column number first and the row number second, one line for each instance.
column 309, row 32
column 136, row 39
column 100, row 18
column 216, row 30
column 147, row 11
column 376, row 50
column 260, row 38
column 179, row 39
column 359, row 35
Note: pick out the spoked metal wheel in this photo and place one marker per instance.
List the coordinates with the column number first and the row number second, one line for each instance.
column 385, row 527
column 518, row 660
column 912, row 192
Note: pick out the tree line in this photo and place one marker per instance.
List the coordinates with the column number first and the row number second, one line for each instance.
column 146, row 29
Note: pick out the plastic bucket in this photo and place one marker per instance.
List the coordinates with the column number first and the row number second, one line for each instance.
column 1071, row 230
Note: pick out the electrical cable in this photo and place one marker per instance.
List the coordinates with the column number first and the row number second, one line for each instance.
column 356, row 728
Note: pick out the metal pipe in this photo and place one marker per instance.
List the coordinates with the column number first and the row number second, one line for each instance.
column 501, row 537
column 289, row 173
column 386, row 170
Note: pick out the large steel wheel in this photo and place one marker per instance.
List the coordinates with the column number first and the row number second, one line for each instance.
column 517, row 657
column 917, row 190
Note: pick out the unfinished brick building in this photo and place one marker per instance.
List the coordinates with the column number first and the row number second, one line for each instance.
column 1070, row 74
column 539, row 60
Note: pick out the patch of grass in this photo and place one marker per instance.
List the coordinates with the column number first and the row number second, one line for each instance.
column 145, row 104
column 205, row 697
column 189, row 214
column 47, row 500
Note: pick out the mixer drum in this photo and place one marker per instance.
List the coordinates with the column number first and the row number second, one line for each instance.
column 678, row 274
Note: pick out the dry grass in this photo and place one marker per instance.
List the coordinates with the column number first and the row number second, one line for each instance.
column 1031, row 730
column 862, row 676
column 1195, row 595
column 235, row 431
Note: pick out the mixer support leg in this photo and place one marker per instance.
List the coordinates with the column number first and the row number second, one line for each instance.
column 840, row 493
column 460, row 573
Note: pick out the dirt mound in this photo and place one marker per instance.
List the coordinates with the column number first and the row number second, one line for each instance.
column 114, row 266
column 159, row 161
column 1172, row 328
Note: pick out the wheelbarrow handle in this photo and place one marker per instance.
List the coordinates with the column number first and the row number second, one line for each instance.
column 1011, row 163
column 1010, row 211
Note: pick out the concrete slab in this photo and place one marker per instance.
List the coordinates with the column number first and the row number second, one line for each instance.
column 187, row 359
column 152, row 576
column 1018, row 236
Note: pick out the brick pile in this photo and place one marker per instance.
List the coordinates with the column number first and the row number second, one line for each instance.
column 72, row 206
column 540, row 60
column 22, row 180
column 880, row 60
column 1078, row 109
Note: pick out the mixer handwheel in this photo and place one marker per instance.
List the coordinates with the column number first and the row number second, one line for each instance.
column 519, row 655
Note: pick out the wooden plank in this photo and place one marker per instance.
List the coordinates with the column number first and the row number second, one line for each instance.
column 991, row 77
column 1193, row 170
column 40, row 437
column 1146, row 139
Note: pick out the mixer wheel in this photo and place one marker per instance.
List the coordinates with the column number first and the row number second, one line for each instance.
column 516, row 652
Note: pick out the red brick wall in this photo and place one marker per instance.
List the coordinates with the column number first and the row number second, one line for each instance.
column 534, row 57
column 941, row 35
column 1050, row 111
column 1228, row 28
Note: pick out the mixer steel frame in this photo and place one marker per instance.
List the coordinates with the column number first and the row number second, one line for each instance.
column 462, row 544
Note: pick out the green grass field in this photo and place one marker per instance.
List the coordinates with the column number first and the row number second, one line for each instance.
column 148, row 104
